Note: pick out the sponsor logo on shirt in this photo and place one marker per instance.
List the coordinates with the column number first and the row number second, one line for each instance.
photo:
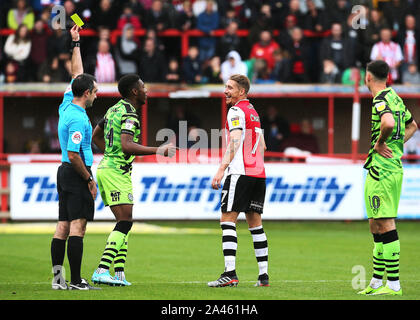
column 76, row 137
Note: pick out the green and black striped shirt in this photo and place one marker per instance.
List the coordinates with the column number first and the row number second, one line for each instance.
column 387, row 101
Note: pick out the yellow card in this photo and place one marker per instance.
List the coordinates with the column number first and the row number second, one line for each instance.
column 75, row 17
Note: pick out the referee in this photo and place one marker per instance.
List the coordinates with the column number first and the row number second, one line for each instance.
column 75, row 184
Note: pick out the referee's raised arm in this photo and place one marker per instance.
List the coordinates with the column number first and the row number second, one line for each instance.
column 76, row 58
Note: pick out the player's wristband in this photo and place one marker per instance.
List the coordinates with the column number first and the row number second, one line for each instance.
column 89, row 179
column 75, row 44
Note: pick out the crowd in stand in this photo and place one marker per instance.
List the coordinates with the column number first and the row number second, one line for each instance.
column 289, row 41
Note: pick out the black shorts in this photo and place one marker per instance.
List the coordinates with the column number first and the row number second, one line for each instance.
column 74, row 198
column 243, row 194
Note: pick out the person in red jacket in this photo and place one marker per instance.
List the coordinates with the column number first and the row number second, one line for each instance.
column 264, row 49
column 128, row 17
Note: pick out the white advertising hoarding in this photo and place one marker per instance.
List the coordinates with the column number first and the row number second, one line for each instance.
column 182, row 191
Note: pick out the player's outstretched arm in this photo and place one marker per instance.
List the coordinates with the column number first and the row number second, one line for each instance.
column 76, row 58
column 410, row 129
column 130, row 147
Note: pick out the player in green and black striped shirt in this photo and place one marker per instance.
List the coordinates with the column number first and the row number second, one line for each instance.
column 117, row 135
column 392, row 126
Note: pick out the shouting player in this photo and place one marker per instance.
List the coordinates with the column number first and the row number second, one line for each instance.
column 392, row 126
column 244, row 187
column 117, row 135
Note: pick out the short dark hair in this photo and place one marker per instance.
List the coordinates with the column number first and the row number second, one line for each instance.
column 127, row 83
column 82, row 83
column 242, row 81
column 379, row 69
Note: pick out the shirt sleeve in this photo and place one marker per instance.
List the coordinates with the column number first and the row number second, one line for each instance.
column 381, row 107
column 68, row 94
column 129, row 123
column 408, row 117
column 76, row 132
column 235, row 119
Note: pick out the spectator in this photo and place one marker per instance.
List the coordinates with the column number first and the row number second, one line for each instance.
column 39, row 52
column 70, row 9
column 17, row 48
column 295, row 10
column 127, row 51
column 339, row 12
column 147, row 4
column 105, row 70
column 59, row 44
column 351, row 75
column 233, row 65
column 264, row 21
column 276, row 129
column 199, row 6
column 315, row 18
column 20, row 14
column 212, row 73
column 181, row 114
column 394, row 12
column 278, row 10
column 150, row 56
column 105, row 15
column 409, row 38
column 152, row 34
column 11, row 72
column 388, row 51
column 128, row 17
column 157, row 17
column 411, row 75
column 191, row 67
column 285, row 39
column 104, row 33
column 50, row 71
column 299, row 57
column 281, row 70
column 228, row 18
column 337, row 49
column 261, row 72
column 174, row 74
column 330, row 72
column 370, row 35
column 303, row 139
column 186, row 19
column 230, row 40
column 264, row 49
column 207, row 21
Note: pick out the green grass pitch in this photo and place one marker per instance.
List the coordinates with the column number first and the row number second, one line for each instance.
column 307, row 260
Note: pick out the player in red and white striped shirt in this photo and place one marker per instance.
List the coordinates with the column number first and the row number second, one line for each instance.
column 244, row 187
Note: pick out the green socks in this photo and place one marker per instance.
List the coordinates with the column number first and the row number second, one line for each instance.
column 378, row 261
column 113, row 245
column 391, row 247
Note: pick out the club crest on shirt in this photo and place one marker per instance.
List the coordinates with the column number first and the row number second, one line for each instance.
column 76, row 137
column 129, row 124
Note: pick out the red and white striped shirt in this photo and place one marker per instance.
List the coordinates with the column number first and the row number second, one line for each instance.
column 105, row 68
